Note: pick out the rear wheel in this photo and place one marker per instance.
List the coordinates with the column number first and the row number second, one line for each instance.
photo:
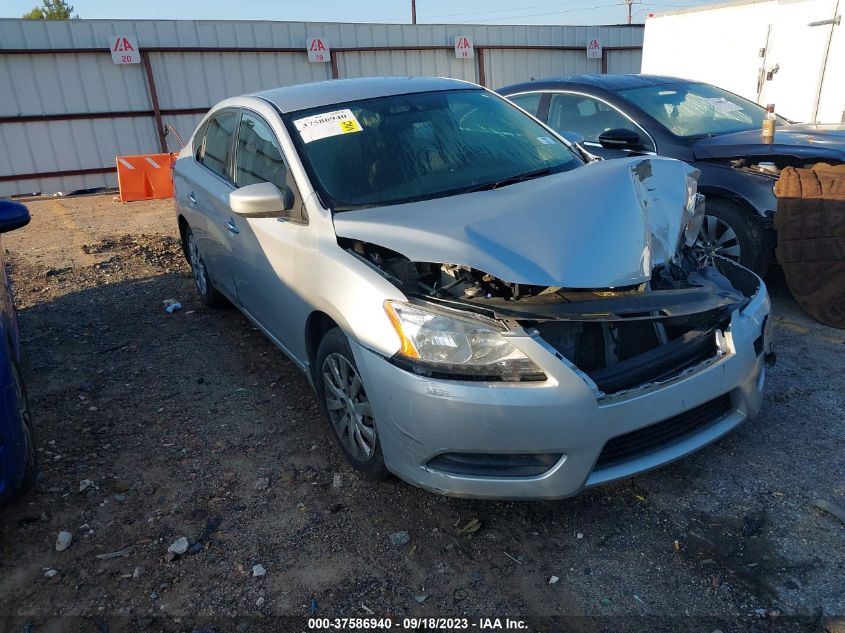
column 30, row 474
column 730, row 231
column 210, row 296
column 345, row 404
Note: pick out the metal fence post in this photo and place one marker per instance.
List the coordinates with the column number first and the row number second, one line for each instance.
column 151, row 85
column 479, row 54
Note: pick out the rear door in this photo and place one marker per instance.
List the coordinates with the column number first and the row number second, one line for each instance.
column 208, row 183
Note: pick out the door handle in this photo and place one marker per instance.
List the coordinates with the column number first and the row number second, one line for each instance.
column 230, row 224
column 192, row 198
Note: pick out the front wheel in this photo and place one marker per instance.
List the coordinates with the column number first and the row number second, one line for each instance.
column 730, row 231
column 344, row 402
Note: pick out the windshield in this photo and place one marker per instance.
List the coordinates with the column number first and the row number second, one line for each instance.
column 405, row 148
column 694, row 109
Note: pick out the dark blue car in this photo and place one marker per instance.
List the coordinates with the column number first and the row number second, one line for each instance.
column 716, row 131
column 18, row 464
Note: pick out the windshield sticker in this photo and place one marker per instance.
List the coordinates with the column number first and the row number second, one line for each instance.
column 723, row 105
column 320, row 126
column 545, row 140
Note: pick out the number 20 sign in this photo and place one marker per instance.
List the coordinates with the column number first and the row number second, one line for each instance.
column 124, row 49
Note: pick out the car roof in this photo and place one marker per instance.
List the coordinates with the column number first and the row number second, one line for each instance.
column 606, row 82
column 324, row 93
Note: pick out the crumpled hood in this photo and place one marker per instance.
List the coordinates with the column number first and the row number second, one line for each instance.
column 603, row 225
column 804, row 140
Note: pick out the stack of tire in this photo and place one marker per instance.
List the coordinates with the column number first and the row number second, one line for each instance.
column 810, row 224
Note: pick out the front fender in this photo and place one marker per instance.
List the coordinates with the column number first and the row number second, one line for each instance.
column 752, row 191
column 352, row 293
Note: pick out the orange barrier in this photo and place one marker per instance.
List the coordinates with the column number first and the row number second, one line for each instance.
column 145, row 177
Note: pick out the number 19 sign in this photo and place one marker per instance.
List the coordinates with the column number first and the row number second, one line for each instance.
column 318, row 50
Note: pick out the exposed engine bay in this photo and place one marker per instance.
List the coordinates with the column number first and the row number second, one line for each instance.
column 620, row 338
column 766, row 165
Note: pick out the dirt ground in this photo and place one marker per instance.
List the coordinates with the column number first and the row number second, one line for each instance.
column 176, row 418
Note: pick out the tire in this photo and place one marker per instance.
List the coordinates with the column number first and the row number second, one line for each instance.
column 340, row 401
column 209, row 294
column 30, row 475
column 731, row 231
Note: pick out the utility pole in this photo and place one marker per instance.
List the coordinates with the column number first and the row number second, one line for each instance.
column 414, row 12
column 630, row 4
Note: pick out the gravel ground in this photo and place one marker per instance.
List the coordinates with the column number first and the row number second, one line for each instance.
column 193, row 425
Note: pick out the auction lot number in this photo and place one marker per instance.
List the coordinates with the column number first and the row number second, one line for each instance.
column 415, row 624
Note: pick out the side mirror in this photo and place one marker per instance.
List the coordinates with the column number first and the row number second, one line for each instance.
column 13, row 215
column 572, row 137
column 261, row 200
column 621, row 138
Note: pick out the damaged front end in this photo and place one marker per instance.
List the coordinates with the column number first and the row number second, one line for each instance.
column 670, row 319
column 617, row 339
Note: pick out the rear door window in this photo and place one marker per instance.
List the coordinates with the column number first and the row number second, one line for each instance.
column 530, row 102
column 216, row 151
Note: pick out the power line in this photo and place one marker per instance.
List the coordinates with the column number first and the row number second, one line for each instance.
column 479, row 20
column 536, row 6
column 533, row 15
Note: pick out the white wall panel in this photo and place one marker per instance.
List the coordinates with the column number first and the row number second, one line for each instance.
column 184, row 124
column 200, row 80
column 832, row 102
column 68, row 145
column 721, row 45
column 64, row 184
column 57, row 84
column 624, row 62
column 432, row 63
column 509, row 66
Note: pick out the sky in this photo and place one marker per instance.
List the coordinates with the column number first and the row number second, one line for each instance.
column 392, row 11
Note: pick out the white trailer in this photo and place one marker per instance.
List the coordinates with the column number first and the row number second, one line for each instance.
column 787, row 52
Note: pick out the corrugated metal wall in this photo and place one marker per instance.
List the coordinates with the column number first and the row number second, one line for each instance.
column 439, row 63
column 72, row 77
column 194, row 80
column 507, row 66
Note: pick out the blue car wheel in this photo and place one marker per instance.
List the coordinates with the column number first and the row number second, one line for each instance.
column 30, row 474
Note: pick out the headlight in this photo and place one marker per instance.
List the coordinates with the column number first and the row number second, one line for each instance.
column 693, row 211
column 439, row 344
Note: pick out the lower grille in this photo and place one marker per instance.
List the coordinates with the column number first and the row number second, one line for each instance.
column 493, row 465
column 657, row 436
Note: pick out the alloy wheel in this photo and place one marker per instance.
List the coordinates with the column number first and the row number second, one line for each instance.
column 716, row 237
column 197, row 265
column 348, row 407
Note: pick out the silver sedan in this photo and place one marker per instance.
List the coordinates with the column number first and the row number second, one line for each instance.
column 481, row 308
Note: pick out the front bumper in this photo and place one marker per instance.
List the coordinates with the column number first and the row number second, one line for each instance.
column 420, row 418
